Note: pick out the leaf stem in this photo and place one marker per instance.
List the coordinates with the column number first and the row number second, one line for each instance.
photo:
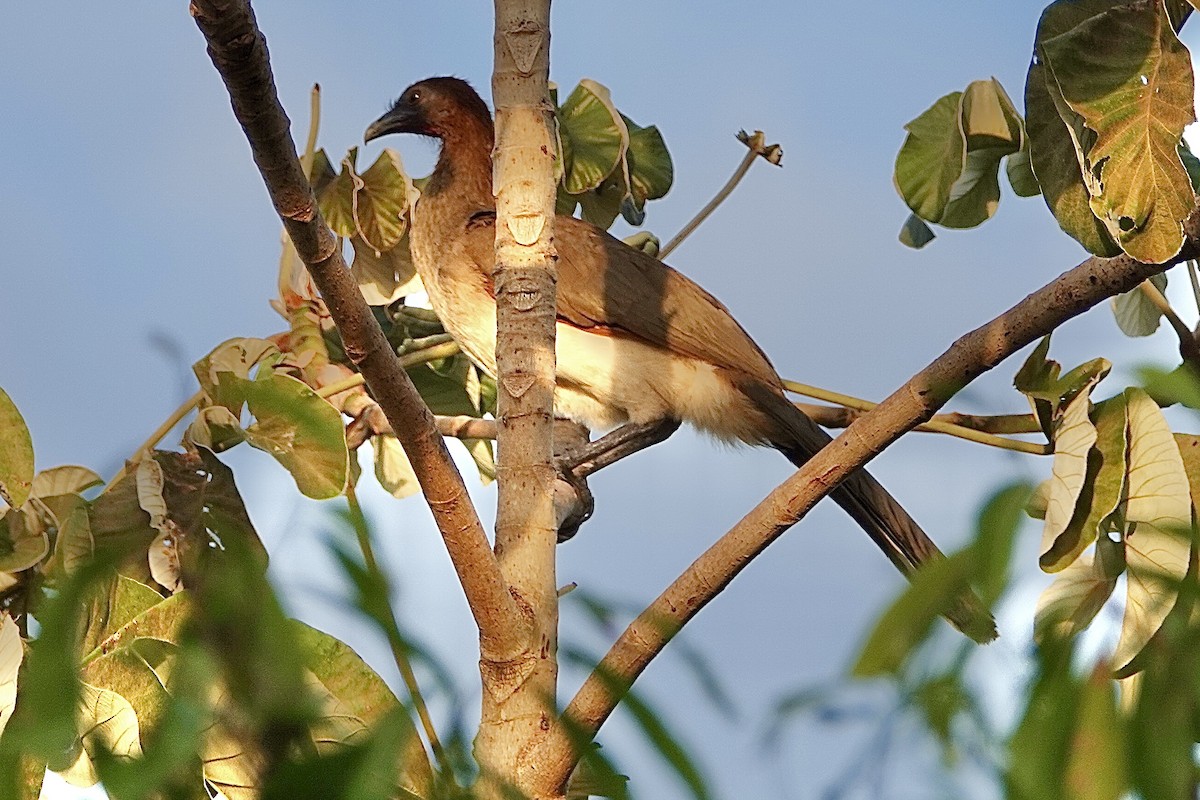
column 1191, row 271
column 1188, row 349
column 933, row 426
column 756, row 143
column 397, row 645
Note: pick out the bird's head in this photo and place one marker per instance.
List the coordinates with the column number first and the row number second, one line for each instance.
column 432, row 107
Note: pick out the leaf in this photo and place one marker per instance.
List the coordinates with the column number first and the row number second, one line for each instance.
column 1019, row 168
column 931, row 158
column 235, row 357
column 999, row 522
column 1070, row 603
column 915, row 233
column 16, row 454
column 216, row 428
column 64, row 480
column 1102, row 489
column 107, row 721
column 1157, row 562
column 651, row 172
column 301, row 430
column 112, row 605
column 992, row 130
column 392, row 468
column 593, row 134
column 1126, row 73
column 384, row 277
column 1074, row 436
column 23, row 540
column 372, row 206
column 363, row 695
column 1056, row 150
column 1136, row 315
column 11, row 655
column 1040, row 746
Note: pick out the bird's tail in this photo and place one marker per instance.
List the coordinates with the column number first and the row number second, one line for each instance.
column 887, row 523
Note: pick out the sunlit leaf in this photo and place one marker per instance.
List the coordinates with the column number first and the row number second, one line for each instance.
column 594, row 136
column 1135, row 313
column 11, row 655
column 992, row 130
column 64, row 480
column 1102, row 488
column 107, row 720
column 650, row 170
column 1157, row 562
column 392, row 468
column 16, row 454
column 1158, row 487
column 216, row 428
column 301, row 430
column 23, row 540
column 366, row 699
column 931, row 158
column 1128, row 76
column 1068, row 604
column 384, row 276
column 1073, row 440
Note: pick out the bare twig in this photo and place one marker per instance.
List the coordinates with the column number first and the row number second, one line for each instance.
column 913, row 403
column 757, row 145
column 239, row 52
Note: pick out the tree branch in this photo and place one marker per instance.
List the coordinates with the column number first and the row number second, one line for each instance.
column 239, row 52
column 913, row 403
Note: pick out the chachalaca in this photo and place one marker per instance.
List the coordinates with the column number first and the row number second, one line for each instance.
column 637, row 342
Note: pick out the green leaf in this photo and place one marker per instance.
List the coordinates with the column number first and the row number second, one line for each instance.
column 1180, row 385
column 222, row 371
column 1128, row 76
column 11, row 655
column 1135, row 313
column 16, row 454
column 113, row 605
column 372, row 206
column 1019, row 168
column 1095, row 762
column 594, row 136
column 931, row 158
column 360, row 696
column 915, row 233
column 216, row 428
column 1040, row 746
column 301, row 430
column 934, row 588
column 651, row 172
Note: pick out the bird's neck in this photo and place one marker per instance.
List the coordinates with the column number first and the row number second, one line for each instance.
column 462, row 178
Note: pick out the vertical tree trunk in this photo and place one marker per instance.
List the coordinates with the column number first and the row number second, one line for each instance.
column 518, row 696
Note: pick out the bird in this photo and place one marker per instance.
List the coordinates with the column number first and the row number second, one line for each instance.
column 637, row 342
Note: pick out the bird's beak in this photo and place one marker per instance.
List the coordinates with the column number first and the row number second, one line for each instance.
column 401, row 119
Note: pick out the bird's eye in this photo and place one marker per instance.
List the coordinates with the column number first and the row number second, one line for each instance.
column 414, row 96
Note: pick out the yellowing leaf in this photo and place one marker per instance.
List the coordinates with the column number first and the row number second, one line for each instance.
column 235, row 357
column 384, row 277
column 106, row 720
column 1158, row 486
column 1126, row 73
column 1136, row 315
column 64, row 480
column 23, row 540
column 1068, row 604
column 1073, row 441
column 16, row 454
column 392, row 468
column 11, row 654
column 1095, row 768
column 1157, row 562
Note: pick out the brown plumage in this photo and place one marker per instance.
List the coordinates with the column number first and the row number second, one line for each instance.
column 636, row 340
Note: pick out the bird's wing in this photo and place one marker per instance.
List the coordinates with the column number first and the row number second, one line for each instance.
column 608, row 287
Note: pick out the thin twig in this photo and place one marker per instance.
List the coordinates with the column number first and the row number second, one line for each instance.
column 756, row 143
column 1195, row 281
column 933, row 426
column 399, row 650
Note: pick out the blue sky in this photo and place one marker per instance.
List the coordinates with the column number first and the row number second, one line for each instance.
column 137, row 236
